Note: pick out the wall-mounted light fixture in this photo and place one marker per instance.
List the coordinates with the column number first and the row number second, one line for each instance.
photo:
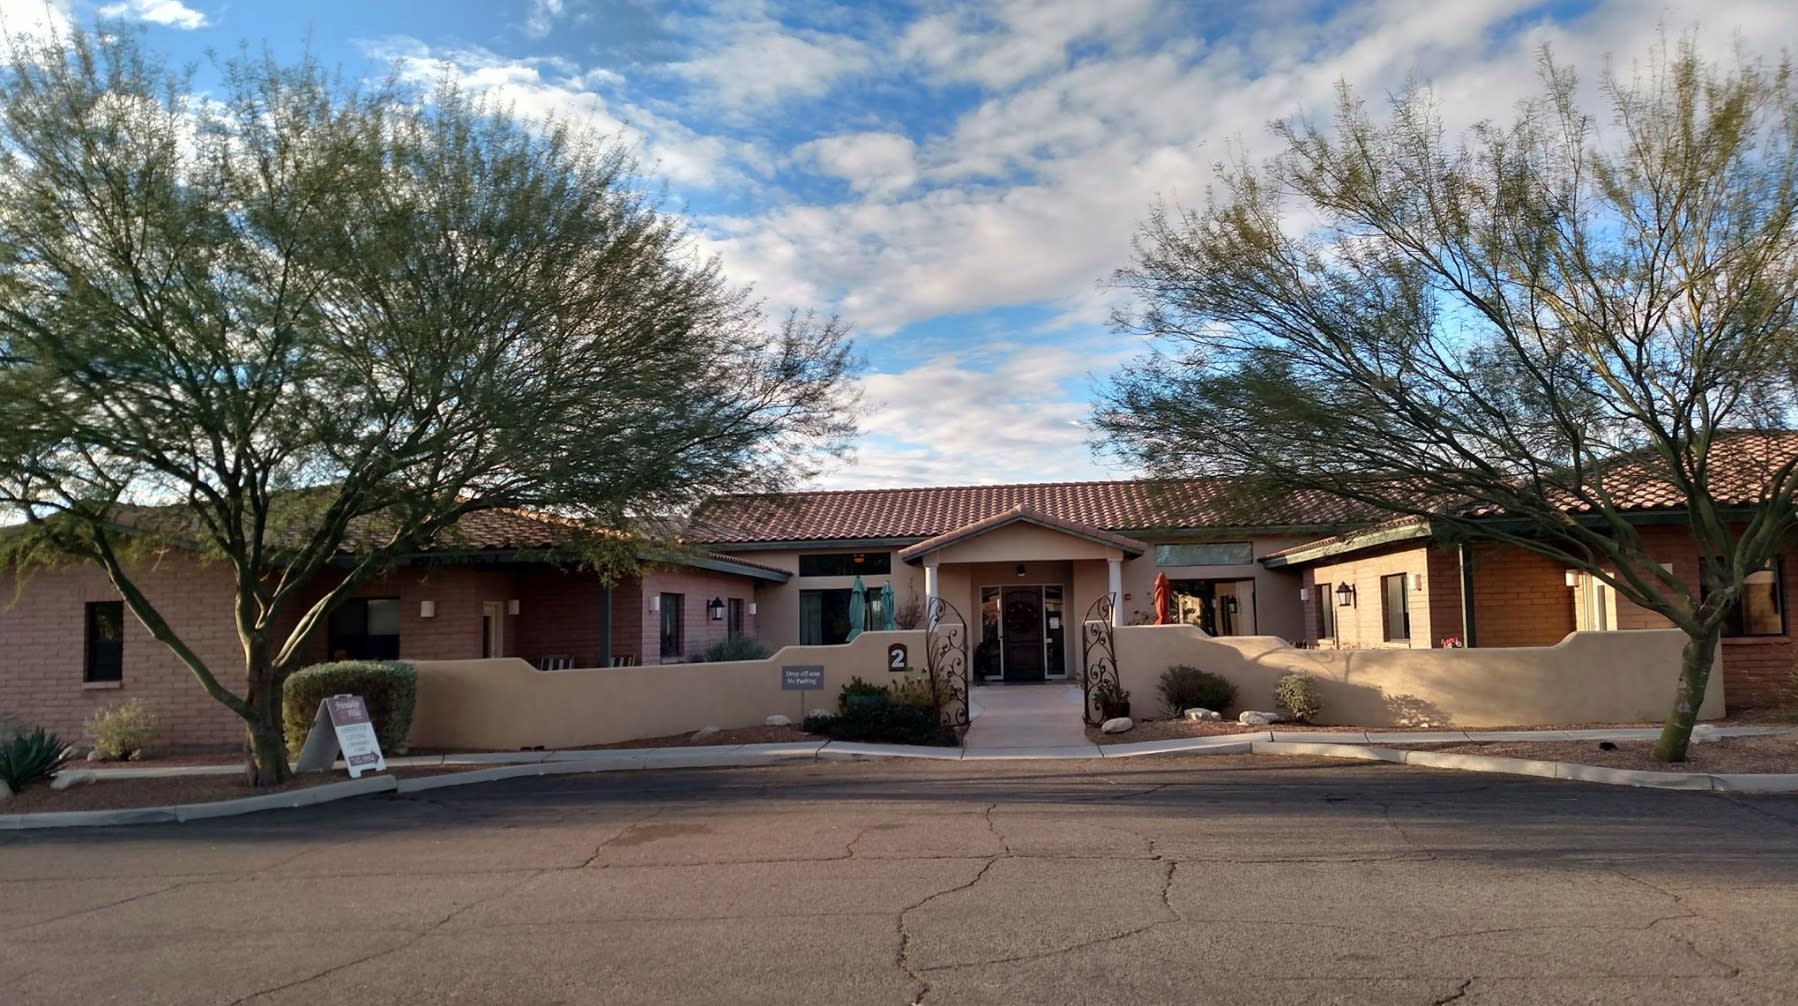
column 752, row 607
column 1020, row 569
column 427, row 609
column 655, row 602
column 511, row 607
column 1304, row 593
column 1417, row 581
column 715, row 608
column 1345, row 595
column 1573, row 578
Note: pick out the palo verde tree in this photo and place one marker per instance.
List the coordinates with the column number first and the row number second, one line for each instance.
column 304, row 329
column 1522, row 335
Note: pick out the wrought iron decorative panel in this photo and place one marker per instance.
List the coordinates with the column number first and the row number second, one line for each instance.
column 946, row 659
column 1099, row 661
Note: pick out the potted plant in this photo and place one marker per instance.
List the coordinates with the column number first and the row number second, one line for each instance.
column 1113, row 700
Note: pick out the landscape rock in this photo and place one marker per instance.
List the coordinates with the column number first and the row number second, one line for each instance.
column 5, row 791
column 777, row 720
column 72, row 777
column 1201, row 715
column 706, row 732
column 95, row 755
column 821, row 713
column 1117, row 726
column 1260, row 719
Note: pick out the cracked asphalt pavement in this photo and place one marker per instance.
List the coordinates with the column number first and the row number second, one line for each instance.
column 1190, row 880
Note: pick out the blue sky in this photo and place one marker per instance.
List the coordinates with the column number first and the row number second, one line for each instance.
column 956, row 179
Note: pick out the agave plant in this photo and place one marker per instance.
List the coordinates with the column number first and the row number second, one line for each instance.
column 32, row 757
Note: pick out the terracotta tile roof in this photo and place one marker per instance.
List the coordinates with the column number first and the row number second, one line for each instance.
column 1129, row 546
column 874, row 514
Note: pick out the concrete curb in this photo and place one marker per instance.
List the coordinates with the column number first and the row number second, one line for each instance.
column 527, row 764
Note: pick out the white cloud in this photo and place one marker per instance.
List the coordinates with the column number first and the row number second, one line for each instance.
column 880, row 164
column 34, row 19
column 542, row 87
column 958, row 421
column 747, row 59
column 171, row 13
column 540, row 17
column 1002, row 44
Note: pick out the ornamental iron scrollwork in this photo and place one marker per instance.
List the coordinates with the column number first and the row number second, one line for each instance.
column 946, row 660
column 1099, row 663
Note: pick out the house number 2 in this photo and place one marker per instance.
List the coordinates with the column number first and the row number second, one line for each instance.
column 896, row 655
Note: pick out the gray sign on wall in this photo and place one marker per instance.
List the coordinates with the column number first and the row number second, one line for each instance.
column 802, row 677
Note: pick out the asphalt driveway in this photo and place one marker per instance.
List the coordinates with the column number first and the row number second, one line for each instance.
column 1189, row 880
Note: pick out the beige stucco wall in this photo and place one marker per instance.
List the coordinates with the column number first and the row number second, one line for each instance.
column 1588, row 677
column 777, row 604
column 1023, row 543
column 1278, row 610
column 505, row 705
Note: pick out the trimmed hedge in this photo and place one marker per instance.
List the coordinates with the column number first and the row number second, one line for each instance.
column 388, row 687
column 884, row 723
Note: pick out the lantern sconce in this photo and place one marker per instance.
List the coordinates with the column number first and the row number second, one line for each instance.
column 1304, row 593
column 511, row 607
column 1020, row 569
column 715, row 608
column 1573, row 578
column 1345, row 595
column 427, row 609
column 752, row 607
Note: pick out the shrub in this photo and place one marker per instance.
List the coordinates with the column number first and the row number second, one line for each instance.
column 740, row 648
column 885, row 723
column 1184, row 687
column 1297, row 694
column 911, row 690
column 122, row 731
column 859, row 694
column 388, row 687
column 32, row 757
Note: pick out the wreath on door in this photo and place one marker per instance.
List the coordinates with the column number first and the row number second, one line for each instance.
column 1020, row 617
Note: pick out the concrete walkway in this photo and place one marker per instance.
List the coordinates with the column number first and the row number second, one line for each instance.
column 1027, row 721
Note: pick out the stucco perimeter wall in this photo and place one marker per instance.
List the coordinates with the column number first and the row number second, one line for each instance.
column 1588, row 677
column 506, row 705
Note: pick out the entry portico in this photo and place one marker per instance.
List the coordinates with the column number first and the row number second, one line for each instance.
column 1028, row 575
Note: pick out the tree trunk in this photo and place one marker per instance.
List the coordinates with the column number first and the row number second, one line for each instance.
column 267, row 748
column 1695, row 664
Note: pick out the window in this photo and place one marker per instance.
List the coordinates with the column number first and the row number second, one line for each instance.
column 674, row 636
column 1324, row 596
column 1213, row 553
column 733, row 625
column 366, row 628
column 824, row 616
column 1594, row 604
column 846, row 564
column 105, row 642
column 1761, row 609
column 1395, row 607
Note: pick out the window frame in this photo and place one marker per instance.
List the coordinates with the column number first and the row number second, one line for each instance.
column 1169, row 555
column 91, row 655
column 672, row 644
column 1404, row 606
column 1324, row 594
column 872, row 564
column 1735, row 623
column 334, row 634
column 871, row 600
column 734, row 618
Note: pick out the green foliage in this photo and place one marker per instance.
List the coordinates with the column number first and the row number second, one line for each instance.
column 1110, row 692
column 1184, row 687
column 388, row 687
column 122, row 731
column 288, row 322
column 32, row 757
column 859, row 694
column 886, row 722
column 1297, row 694
column 740, row 648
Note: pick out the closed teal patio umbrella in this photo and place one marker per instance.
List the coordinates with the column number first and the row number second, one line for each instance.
column 858, row 608
column 887, row 615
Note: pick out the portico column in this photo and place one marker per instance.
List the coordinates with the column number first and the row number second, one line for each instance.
column 1114, row 569
column 930, row 588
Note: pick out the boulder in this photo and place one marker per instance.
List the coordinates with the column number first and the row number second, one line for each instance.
column 1116, row 726
column 777, row 720
column 1260, row 719
column 95, row 755
column 705, row 732
column 822, row 714
column 1201, row 715
column 72, row 777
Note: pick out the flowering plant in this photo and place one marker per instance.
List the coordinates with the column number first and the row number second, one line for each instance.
column 1451, row 642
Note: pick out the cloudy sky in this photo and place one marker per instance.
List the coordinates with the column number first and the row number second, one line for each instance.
column 956, row 179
